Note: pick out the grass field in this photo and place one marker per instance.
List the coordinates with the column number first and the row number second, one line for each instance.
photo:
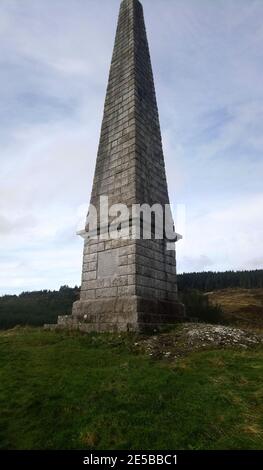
column 69, row 391
column 240, row 306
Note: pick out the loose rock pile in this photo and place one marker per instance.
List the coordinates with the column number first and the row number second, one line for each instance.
column 191, row 337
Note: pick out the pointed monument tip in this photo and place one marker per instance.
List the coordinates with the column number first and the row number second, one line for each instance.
column 131, row 2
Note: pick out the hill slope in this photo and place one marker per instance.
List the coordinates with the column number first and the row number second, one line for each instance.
column 240, row 306
column 68, row 391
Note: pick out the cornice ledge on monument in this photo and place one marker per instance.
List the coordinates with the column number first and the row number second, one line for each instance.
column 125, row 224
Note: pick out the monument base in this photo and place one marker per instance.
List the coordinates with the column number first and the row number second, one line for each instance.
column 121, row 314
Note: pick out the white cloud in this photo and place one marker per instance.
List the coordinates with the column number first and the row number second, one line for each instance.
column 226, row 237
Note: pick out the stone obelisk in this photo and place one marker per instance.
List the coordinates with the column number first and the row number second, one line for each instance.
column 128, row 284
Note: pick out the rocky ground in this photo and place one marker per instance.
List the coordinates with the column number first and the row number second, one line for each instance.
column 192, row 337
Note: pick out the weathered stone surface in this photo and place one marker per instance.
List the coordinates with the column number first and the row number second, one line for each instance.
column 127, row 284
column 130, row 313
column 108, row 264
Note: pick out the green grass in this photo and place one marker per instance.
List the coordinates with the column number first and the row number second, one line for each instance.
column 62, row 391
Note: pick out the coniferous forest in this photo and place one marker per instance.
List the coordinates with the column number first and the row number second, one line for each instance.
column 36, row 308
column 208, row 281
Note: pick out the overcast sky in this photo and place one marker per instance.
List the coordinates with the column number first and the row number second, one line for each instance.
column 208, row 67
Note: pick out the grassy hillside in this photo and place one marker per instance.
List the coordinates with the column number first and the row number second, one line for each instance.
column 240, row 306
column 68, row 391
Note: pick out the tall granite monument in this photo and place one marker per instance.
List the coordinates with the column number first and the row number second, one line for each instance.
column 128, row 283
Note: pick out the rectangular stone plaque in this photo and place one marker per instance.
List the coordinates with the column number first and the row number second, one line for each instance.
column 108, row 264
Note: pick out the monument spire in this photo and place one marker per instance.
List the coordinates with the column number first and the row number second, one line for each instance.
column 130, row 135
column 128, row 284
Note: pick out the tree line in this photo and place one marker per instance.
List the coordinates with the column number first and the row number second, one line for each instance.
column 209, row 281
column 36, row 308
